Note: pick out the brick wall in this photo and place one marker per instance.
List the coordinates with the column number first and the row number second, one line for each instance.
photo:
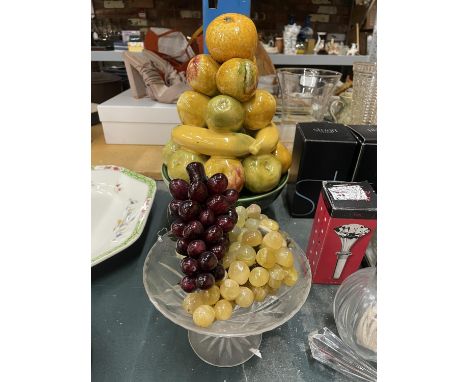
column 269, row 16
column 331, row 15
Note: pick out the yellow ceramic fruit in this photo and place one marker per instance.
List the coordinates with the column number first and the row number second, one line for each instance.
column 209, row 142
column 266, row 140
column 262, row 172
column 230, row 167
column 201, row 74
column 231, row 35
column 192, row 107
column 284, row 156
column 224, row 114
column 168, row 149
column 237, row 77
column 179, row 160
column 259, row 110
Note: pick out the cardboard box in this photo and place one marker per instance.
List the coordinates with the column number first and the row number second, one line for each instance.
column 322, row 151
column 345, row 221
column 127, row 120
column 366, row 162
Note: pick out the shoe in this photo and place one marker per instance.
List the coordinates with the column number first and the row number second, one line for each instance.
column 150, row 75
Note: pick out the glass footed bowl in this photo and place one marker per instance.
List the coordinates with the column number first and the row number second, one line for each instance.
column 230, row 342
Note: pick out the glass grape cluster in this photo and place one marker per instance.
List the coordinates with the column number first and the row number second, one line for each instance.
column 204, row 211
column 257, row 263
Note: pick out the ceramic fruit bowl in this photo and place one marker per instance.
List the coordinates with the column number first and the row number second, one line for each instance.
column 246, row 198
column 231, row 342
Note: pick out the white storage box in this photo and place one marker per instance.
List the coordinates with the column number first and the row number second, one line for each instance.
column 127, row 120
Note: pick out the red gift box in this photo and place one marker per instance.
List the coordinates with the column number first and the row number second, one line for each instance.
column 345, row 220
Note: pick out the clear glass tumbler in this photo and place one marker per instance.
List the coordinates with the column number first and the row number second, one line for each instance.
column 364, row 111
column 305, row 95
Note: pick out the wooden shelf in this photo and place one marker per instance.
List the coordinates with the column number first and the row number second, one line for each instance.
column 277, row 59
column 315, row 59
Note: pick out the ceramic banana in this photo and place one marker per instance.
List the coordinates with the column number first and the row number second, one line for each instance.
column 266, row 140
column 209, row 142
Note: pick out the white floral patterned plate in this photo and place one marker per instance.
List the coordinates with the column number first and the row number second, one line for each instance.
column 120, row 203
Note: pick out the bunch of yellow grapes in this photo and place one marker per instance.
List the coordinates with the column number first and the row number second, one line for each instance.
column 257, row 264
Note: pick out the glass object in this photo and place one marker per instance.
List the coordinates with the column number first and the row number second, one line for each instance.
column 364, row 93
column 355, row 312
column 305, row 96
column 327, row 348
column 279, row 44
column 341, row 108
column 306, row 32
column 300, row 47
column 372, row 48
column 234, row 341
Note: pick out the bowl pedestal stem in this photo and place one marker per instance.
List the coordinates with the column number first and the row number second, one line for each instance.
column 224, row 351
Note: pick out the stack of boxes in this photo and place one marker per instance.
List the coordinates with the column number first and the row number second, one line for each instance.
column 329, row 151
column 333, row 179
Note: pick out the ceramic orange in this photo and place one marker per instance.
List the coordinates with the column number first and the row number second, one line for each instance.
column 224, row 114
column 259, row 110
column 238, row 78
column 231, row 35
column 201, row 74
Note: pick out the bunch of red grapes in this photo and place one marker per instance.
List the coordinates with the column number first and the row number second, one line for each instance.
column 205, row 213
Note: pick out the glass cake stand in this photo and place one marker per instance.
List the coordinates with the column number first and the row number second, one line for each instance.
column 234, row 341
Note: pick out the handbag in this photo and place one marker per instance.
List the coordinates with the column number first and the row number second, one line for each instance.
column 171, row 45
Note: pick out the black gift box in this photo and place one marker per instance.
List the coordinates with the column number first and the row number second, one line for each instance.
column 322, row 151
column 366, row 162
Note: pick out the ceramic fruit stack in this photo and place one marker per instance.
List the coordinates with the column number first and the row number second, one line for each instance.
column 226, row 121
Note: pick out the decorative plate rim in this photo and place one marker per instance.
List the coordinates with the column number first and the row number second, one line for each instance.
column 144, row 211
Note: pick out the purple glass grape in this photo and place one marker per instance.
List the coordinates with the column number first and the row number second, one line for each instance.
column 218, row 272
column 219, row 250
column 177, row 228
column 189, row 210
column 205, row 280
column 224, row 240
column 231, row 195
column 198, row 191
column 196, row 171
column 179, row 189
column 233, row 215
column 196, row 248
column 174, row 206
column 225, row 223
column 182, row 246
column 207, row 261
column 189, row 266
column 189, row 284
column 192, row 230
column 218, row 204
column 207, row 217
column 213, row 234
column 217, row 184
